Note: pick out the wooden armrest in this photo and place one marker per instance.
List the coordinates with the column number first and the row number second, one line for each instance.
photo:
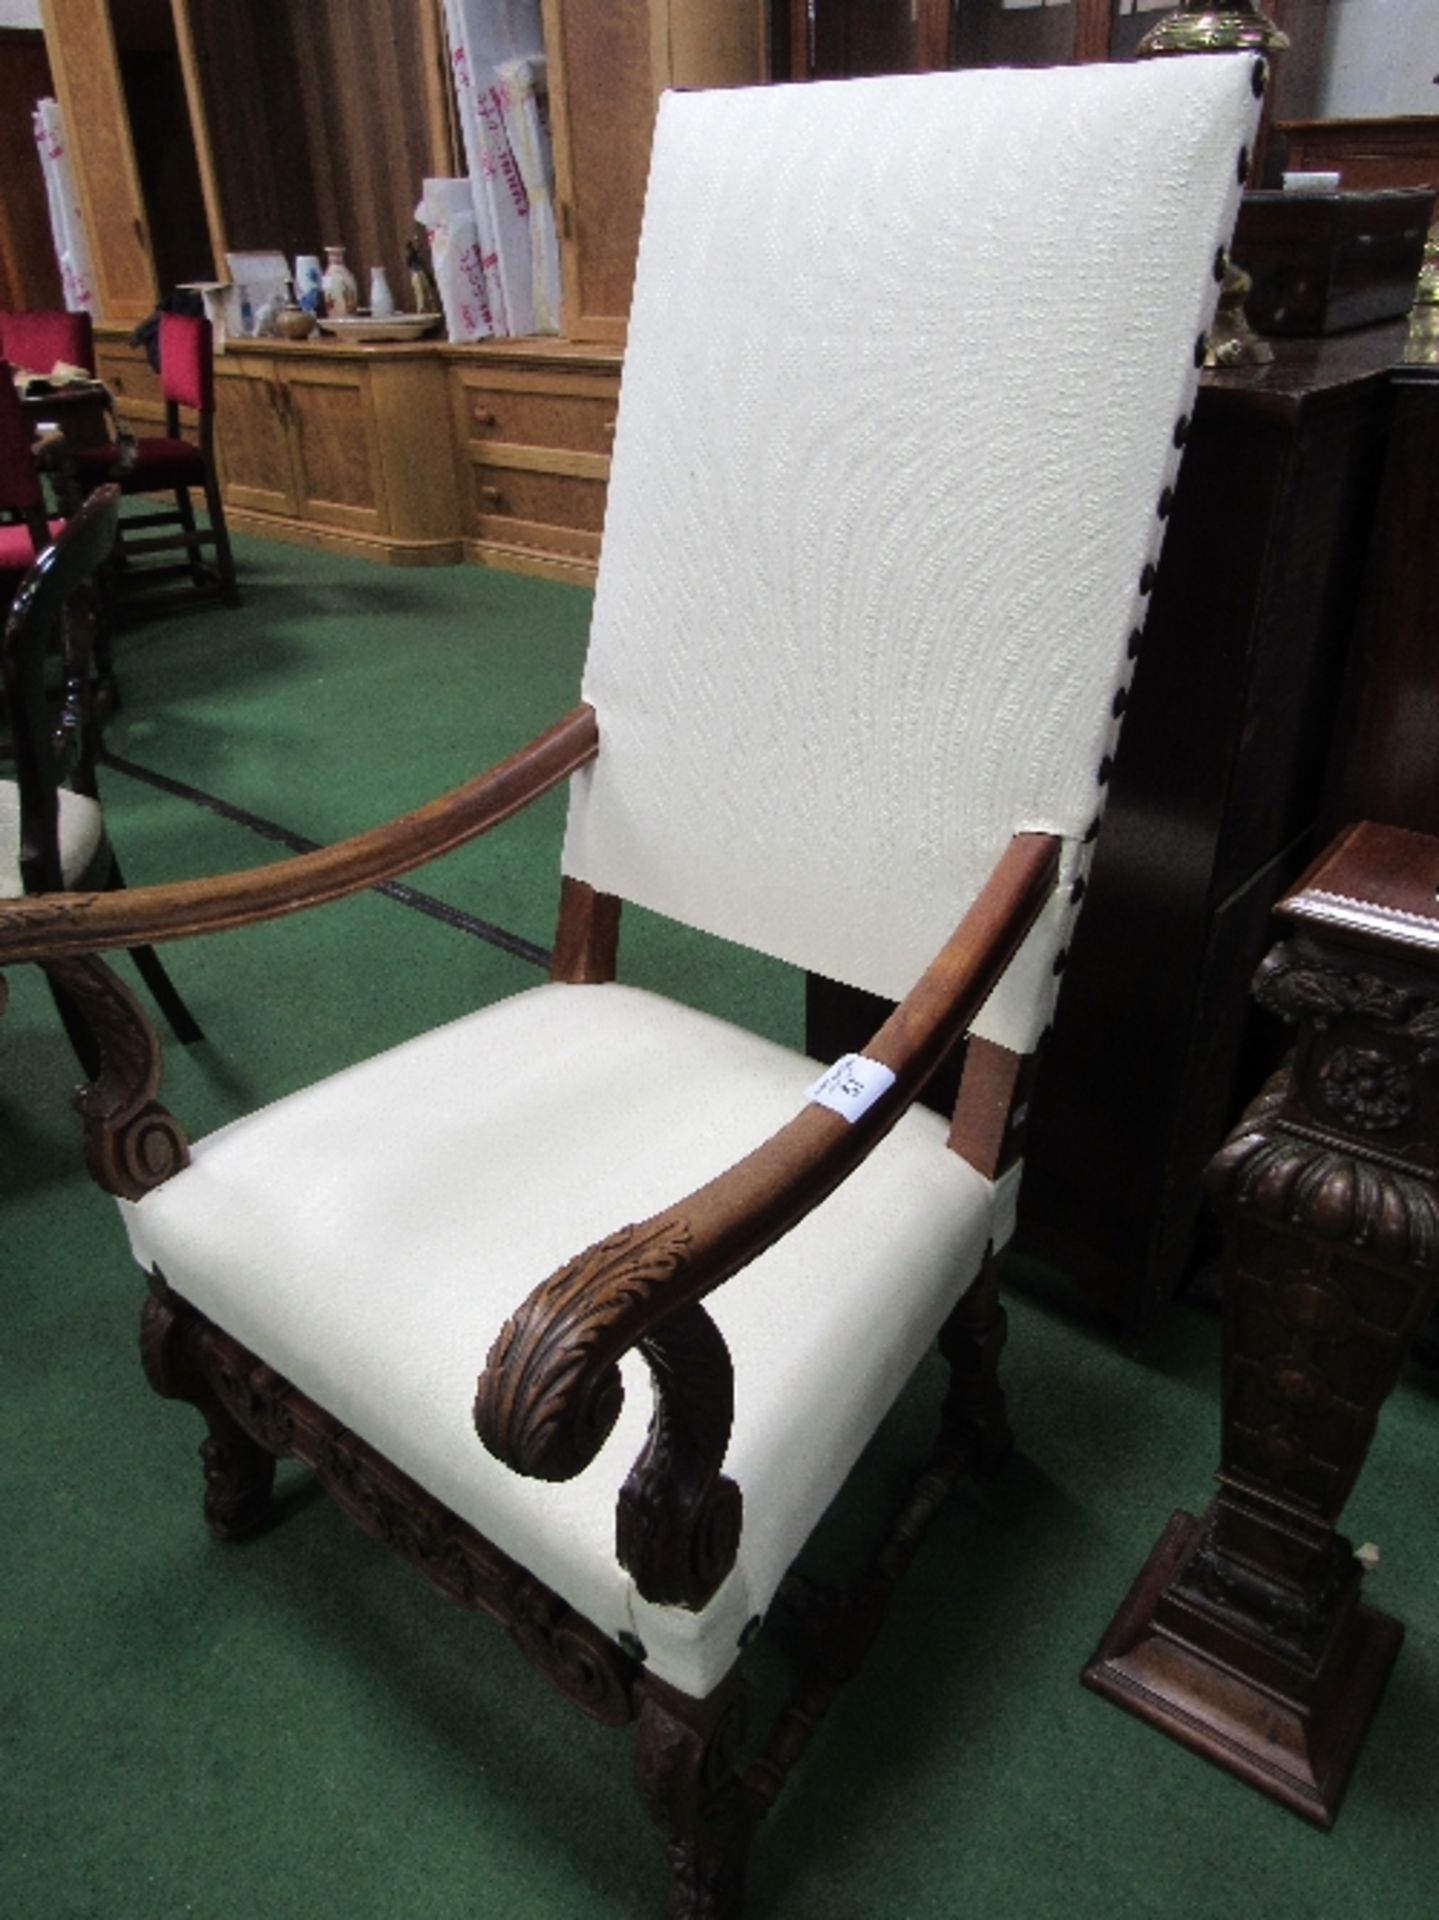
column 54, row 926
column 551, row 1391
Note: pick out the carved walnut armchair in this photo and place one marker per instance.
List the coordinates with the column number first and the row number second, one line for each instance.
column 907, row 378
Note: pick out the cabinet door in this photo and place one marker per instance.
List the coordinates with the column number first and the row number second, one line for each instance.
column 256, row 470
column 607, row 68
column 336, row 449
column 80, row 39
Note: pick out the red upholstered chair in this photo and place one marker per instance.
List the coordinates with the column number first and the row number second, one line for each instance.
column 34, row 342
column 24, row 529
column 171, row 463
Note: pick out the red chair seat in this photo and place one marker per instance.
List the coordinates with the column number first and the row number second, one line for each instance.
column 17, row 549
column 158, row 463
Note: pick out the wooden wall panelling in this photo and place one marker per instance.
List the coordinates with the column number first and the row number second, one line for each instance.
column 322, row 121
column 86, row 69
column 366, row 100
column 243, row 70
column 29, row 273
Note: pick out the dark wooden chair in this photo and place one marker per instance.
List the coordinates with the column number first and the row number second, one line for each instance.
column 38, row 342
column 26, row 527
column 52, row 832
column 907, row 377
column 176, row 464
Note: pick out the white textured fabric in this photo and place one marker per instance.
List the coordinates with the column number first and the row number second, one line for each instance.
column 904, row 364
column 81, row 837
column 517, row 1137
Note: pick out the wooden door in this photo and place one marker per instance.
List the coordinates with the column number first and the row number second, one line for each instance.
column 607, row 68
column 328, row 410
column 29, row 275
column 256, row 467
column 80, row 39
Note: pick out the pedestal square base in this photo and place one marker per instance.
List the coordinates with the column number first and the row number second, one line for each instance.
column 1298, row 1747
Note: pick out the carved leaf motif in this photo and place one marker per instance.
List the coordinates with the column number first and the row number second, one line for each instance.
column 24, row 918
column 1307, row 1184
column 551, row 1391
column 1300, row 987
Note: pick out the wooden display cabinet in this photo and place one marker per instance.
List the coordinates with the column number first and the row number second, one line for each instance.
column 347, row 447
column 336, row 446
column 534, row 423
column 113, row 63
column 607, row 69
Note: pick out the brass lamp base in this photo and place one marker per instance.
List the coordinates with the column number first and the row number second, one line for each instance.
column 1231, row 341
column 1198, row 28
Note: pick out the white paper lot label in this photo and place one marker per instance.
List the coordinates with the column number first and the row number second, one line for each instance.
column 852, row 1085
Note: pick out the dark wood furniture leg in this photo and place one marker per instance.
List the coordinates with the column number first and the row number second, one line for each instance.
column 1245, row 1636
column 688, row 1781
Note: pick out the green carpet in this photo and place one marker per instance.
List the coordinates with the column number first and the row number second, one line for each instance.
column 297, row 1726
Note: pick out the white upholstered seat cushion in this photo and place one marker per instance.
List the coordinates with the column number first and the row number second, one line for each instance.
column 81, row 836
column 367, row 1237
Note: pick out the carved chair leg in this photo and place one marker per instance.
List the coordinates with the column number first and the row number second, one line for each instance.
column 82, row 1042
column 685, row 1772
column 972, row 1340
column 185, row 514
column 239, row 1472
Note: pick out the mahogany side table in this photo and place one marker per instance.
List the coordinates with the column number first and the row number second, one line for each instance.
column 1245, row 1635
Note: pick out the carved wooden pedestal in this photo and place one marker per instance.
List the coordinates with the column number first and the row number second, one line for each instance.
column 1244, row 1635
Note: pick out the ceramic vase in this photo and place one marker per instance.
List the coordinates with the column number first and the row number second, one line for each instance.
column 309, row 289
column 342, row 296
column 295, row 322
column 381, row 300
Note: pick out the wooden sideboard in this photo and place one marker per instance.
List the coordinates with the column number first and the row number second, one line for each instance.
column 1214, row 801
column 1218, row 792
column 533, row 423
column 1384, row 769
column 1368, row 153
column 421, row 454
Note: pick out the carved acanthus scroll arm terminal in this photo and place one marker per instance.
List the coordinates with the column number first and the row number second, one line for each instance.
column 551, row 1392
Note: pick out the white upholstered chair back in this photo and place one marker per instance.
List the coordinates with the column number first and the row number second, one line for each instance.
column 899, row 406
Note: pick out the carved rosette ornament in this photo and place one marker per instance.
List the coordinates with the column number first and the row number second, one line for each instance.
column 1342, row 1142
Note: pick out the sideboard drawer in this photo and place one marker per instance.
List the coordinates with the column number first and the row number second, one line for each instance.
column 572, row 412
